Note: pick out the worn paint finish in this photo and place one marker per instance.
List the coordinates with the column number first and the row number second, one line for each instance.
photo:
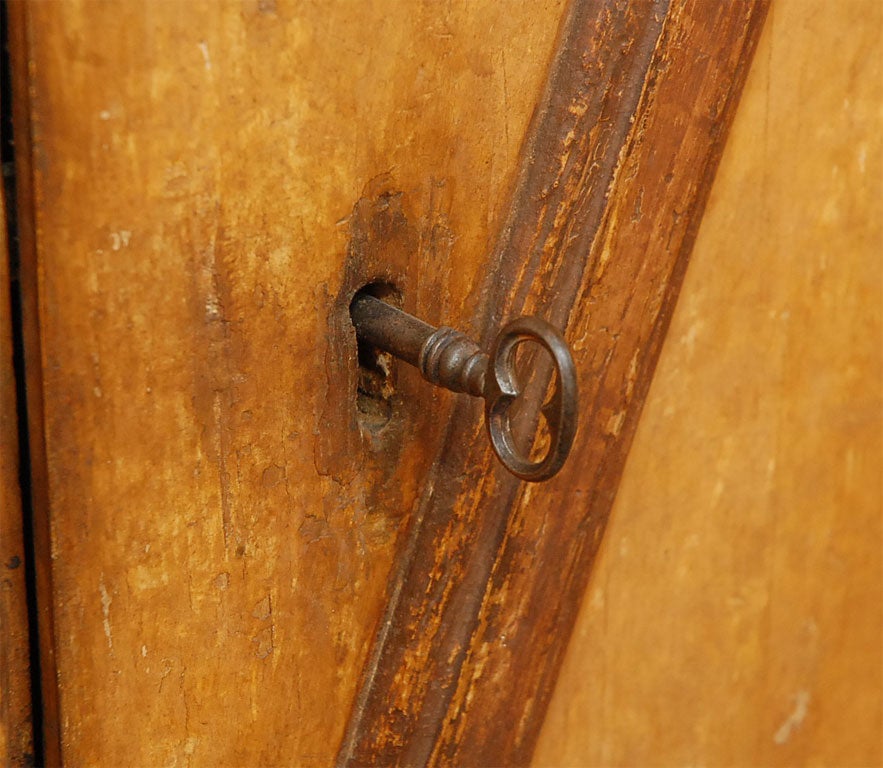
column 734, row 614
column 207, row 179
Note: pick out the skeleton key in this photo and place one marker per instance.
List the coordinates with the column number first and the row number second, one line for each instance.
column 451, row 360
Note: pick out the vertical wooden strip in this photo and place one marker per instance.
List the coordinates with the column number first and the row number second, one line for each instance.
column 19, row 50
column 622, row 154
column 16, row 732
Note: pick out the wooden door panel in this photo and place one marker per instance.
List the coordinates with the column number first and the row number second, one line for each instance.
column 220, row 532
column 279, row 558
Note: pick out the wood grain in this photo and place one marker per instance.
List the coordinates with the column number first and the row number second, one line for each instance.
column 734, row 616
column 617, row 169
column 16, row 731
column 211, row 182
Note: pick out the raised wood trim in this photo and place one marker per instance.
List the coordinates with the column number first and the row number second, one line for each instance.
column 616, row 171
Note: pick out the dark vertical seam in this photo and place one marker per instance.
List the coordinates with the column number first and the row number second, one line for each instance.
column 7, row 151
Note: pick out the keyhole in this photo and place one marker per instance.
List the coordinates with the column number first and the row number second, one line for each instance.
column 376, row 382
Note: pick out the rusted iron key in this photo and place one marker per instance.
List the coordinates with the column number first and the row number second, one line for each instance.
column 450, row 359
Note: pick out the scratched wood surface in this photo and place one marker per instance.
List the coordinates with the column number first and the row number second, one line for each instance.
column 16, row 733
column 211, row 183
column 615, row 176
column 735, row 613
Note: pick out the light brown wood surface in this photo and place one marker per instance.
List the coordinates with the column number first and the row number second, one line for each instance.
column 219, row 534
column 735, row 613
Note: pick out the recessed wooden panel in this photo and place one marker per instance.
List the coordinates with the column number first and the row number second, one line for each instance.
column 209, row 184
column 735, row 614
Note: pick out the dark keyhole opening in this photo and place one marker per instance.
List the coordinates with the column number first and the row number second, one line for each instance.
column 376, row 382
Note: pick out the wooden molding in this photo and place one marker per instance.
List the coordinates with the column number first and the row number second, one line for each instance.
column 615, row 173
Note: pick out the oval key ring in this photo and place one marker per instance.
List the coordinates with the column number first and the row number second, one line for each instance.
column 502, row 390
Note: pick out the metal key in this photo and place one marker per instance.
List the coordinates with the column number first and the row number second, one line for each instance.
column 451, row 360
